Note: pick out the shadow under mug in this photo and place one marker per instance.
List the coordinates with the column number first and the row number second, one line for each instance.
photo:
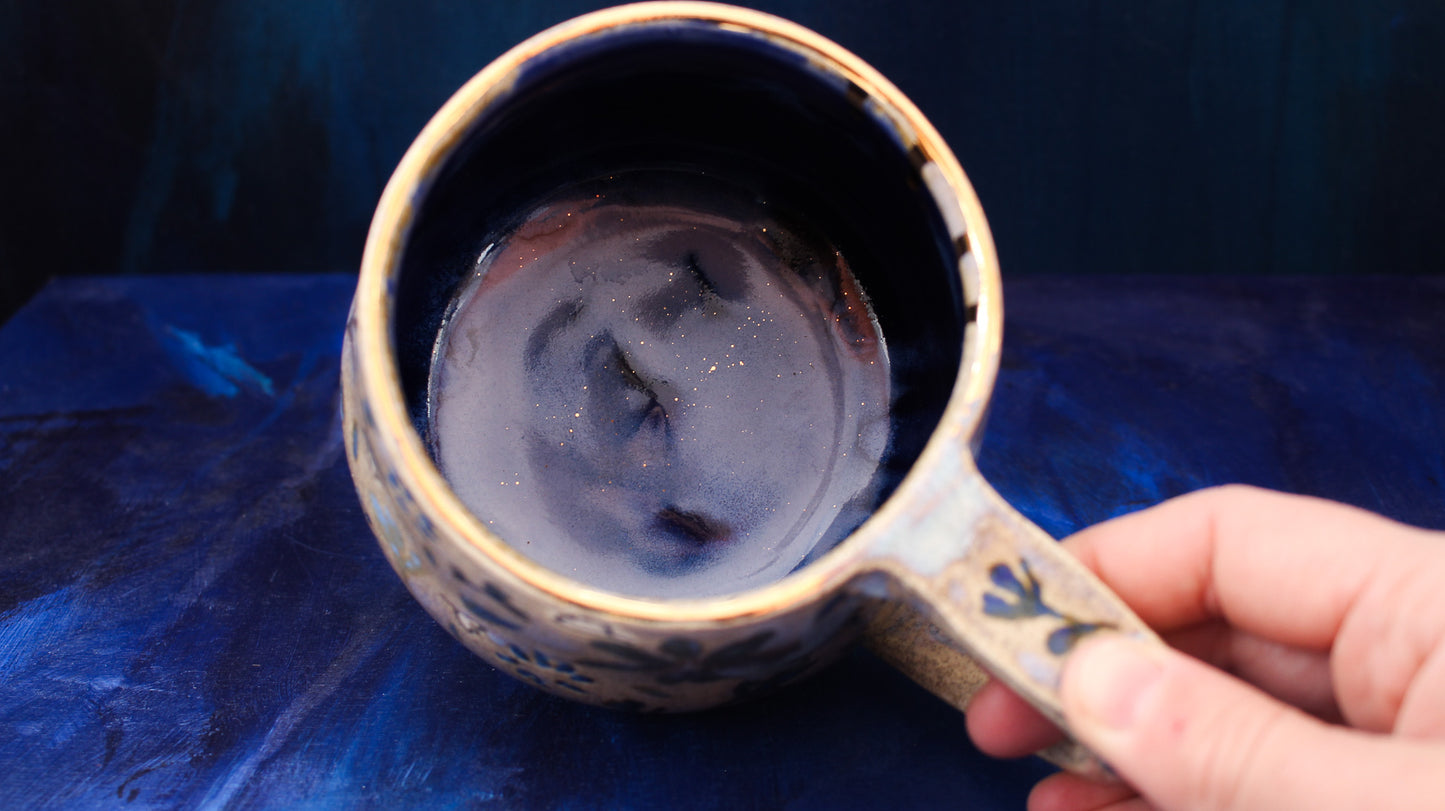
column 938, row 569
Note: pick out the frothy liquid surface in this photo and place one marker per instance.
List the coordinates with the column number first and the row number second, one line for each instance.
column 675, row 396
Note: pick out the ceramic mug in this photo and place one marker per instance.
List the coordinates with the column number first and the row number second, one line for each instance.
column 697, row 127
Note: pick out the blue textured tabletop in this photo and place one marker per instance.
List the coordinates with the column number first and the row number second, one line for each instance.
column 193, row 612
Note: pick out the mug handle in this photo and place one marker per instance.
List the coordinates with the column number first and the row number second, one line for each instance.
column 968, row 577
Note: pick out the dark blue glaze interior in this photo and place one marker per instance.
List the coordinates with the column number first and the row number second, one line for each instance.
column 690, row 96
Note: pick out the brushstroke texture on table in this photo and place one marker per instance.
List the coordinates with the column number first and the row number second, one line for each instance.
column 193, row 612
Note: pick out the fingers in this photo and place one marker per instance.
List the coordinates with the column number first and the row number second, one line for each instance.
column 1331, row 609
column 1006, row 726
column 1303, row 574
column 1296, row 676
column 1003, row 725
column 1187, row 736
column 1282, row 567
column 1069, row 792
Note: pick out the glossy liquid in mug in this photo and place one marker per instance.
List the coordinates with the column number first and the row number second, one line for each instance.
column 674, row 393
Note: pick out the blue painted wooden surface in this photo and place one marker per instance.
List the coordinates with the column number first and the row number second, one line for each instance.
column 193, row 613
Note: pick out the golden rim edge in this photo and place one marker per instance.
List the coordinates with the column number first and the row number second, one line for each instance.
column 391, row 224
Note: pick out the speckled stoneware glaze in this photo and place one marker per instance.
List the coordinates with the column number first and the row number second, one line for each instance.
column 943, row 566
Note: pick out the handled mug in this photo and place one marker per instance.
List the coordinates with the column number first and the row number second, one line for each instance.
column 613, row 180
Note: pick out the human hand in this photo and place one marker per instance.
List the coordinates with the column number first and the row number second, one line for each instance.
column 1331, row 623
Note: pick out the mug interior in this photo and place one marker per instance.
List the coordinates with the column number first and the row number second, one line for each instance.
column 753, row 116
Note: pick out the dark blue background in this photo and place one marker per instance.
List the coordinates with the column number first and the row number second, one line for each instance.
column 191, row 608
column 1177, row 136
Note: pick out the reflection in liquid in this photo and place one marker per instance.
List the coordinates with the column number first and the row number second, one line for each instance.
column 661, row 397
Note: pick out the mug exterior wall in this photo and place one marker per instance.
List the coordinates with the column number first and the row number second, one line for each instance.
column 562, row 646
column 555, row 633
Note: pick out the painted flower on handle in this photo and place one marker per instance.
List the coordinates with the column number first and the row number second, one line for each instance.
column 1022, row 597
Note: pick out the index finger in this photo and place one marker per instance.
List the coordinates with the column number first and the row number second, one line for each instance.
column 1284, row 567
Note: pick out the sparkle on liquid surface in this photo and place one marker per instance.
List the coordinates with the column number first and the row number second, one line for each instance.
column 662, row 398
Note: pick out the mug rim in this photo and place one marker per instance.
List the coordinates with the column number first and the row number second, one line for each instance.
column 372, row 309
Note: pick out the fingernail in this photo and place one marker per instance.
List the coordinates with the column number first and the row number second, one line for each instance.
column 1109, row 678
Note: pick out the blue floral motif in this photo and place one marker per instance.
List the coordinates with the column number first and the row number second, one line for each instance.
column 540, row 669
column 1022, row 597
column 1028, row 597
column 757, row 662
column 1062, row 640
column 485, row 615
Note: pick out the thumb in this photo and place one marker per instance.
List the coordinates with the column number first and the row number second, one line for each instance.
column 1188, row 736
